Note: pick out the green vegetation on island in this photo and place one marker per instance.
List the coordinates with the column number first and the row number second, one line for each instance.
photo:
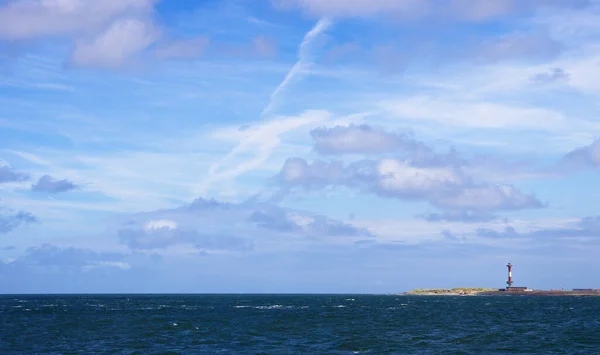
column 452, row 291
column 481, row 291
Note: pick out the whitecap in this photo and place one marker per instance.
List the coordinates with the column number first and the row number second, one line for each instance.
column 275, row 306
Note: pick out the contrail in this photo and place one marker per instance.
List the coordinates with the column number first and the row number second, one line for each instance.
column 303, row 55
column 264, row 140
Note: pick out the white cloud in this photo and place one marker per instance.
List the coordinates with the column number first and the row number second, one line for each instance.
column 159, row 224
column 588, row 155
column 105, row 33
column 441, row 182
column 113, row 264
column 360, row 139
column 29, row 19
column 397, row 177
column 117, row 45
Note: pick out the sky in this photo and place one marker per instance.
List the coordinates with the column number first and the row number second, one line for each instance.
column 298, row 146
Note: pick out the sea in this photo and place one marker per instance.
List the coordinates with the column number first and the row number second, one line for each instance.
column 298, row 324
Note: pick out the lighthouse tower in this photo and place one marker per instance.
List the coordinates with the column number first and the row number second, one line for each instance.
column 510, row 280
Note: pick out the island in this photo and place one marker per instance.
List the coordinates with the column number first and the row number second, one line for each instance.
column 509, row 291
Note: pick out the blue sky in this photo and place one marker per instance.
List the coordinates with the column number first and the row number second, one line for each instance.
column 298, row 145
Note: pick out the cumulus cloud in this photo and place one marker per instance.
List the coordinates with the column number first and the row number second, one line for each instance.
column 160, row 224
column 10, row 220
column 49, row 184
column 212, row 226
column 105, row 33
column 117, row 45
column 447, row 181
column 7, row 174
column 472, row 10
column 297, row 171
column 361, row 139
column 31, row 19
column 445, row 187
column 587, row 156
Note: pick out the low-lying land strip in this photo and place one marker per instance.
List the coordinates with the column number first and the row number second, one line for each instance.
column 475, row 291
column 458, row 291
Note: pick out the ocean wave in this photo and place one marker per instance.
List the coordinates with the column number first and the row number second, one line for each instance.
column 274, row 306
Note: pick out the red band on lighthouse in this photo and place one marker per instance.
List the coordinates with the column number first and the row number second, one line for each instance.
column 510, row 280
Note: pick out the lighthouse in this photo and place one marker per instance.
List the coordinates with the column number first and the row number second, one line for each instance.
column 510, row 280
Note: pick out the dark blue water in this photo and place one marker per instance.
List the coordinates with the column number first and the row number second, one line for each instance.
column 299, row 324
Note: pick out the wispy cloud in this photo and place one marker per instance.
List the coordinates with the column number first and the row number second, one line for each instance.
column 265, row 139
column 258, row 142
column 304, row 60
